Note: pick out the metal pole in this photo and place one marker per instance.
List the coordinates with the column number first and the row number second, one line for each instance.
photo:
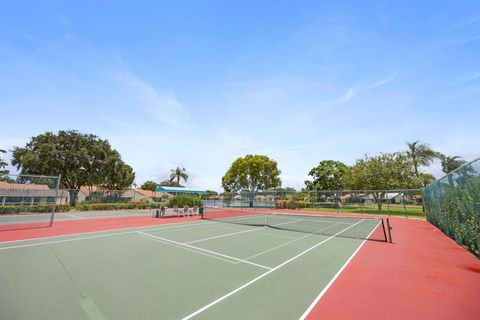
column 389, row 228
column 55, row 200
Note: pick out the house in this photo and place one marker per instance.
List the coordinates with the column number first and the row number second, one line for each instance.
column 135, row 195
column 30, row 194
column 357, row 198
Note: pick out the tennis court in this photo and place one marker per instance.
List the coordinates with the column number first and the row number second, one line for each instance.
column 261, row 266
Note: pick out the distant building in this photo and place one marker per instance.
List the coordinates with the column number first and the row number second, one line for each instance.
column 30, row 194
column 134, row 195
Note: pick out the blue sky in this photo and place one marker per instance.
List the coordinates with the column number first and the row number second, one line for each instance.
column 200, row 83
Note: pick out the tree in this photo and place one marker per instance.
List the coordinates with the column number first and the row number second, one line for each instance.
column 3, row 172
column 449, row 164
column 149, row 185
column 169, row 183
column 420, row 154
column 328, row 175
column 211, row 193
column 251, row 174
column 81, row 159
column 387, row 171
column 3, row 164
column 178, row 174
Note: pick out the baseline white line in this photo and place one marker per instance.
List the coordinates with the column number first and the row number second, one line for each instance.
column 205, row 250
column 322, row 293
column 192, row 250
column 69, row 215
column 126, row 231
column 238, row 232
column 265, row 274
column 288, row 242
column 224, row 235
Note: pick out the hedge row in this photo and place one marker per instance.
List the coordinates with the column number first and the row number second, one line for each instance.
column 184, row 200
column 290, row 204
column 116, row 206
column 38, row 208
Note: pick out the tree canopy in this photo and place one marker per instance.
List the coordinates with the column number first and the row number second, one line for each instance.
column 176, row 175
column 252, row 173
column 81, row 159
column 420, row 154
column 149, row 185
column 450, row 163
column 3, row 171
column 328, row 175
column 387, row 171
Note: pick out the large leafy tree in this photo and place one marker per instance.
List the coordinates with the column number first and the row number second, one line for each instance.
column 450, row 163
column 328, row 175
column 420, row 154
column 387, row 171
column 176, row 175
column 149, row 185
column 81, row 159
column 250, row 174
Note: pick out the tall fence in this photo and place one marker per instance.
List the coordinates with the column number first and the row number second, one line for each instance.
column 452, row 204
column 390, row 202
column 27, row 201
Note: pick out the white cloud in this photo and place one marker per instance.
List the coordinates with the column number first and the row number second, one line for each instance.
column 164, row 107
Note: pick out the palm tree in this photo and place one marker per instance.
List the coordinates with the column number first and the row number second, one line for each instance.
column 3, row 164
column 178, row 174
column 451, row 163
column 420, row 154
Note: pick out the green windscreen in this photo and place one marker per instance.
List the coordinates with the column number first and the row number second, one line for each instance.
column 452, row 204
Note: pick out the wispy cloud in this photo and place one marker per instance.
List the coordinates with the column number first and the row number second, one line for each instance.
column 472, row 77
column 464, row 93
column 465, row 23
column 164, row 107
column 354, row 90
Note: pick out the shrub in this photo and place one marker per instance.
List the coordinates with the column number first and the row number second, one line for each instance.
column 36, row 208
column 117, row 206
column 184, row 200
column 290, row 204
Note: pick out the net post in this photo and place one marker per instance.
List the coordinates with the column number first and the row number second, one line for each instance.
column 384, row 232
column 404, row 205
column 54, row 209
column 389, row 228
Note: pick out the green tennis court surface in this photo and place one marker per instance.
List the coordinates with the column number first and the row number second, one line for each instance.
column 197, row 270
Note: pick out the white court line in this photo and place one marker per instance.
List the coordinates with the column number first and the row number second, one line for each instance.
column 70, row 215
column 239, row 232
column 192, row 250
column 288, row 242
column 224, row 235
column 172, row 226
column 205, row 250
column 314, row 303
column 265, row 274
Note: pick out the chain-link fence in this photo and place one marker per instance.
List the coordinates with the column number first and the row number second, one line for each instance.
column 406, row 203
column 28, row 201
column 452, row 204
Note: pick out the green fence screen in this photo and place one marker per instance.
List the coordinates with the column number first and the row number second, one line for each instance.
column 452, row 204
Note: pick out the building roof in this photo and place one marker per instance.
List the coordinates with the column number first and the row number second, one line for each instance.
column 86, row 190
column 147, row 193
column 20, row 189
column 178, row 190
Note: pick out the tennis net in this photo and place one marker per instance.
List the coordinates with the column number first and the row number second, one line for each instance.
column 343, row 226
